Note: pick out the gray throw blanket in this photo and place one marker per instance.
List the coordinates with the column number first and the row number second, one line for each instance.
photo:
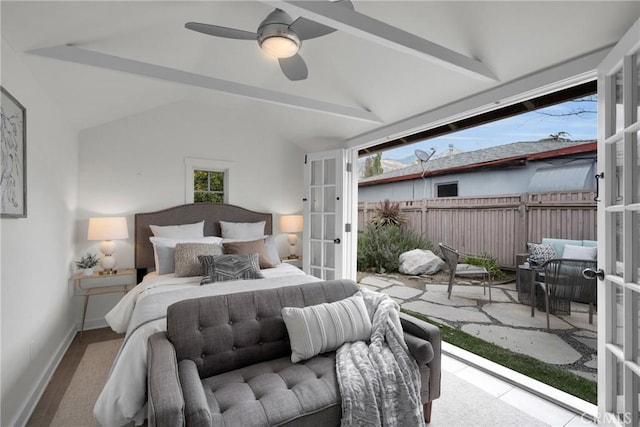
column 379, row 382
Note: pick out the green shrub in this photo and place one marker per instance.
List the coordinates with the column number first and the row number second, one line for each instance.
column 380, row 247
column 487, row 261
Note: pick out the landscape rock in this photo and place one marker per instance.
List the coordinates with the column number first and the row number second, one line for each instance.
column 419, row 261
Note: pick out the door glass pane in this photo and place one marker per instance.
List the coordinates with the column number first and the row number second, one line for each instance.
column 330, row 199
column 636, row 392
column 636, row 143
column 316, row 254
column 619, row 112
column 330, row 171
column 316, row 272
column 636, row 298
column 329, row 227
column 329, row 255
column 316, row 172
column 316, row 199
column 618, row 314
column 618, row 398
column 316, row 226
column 618, row 242
column 329, row 274
column 635, row 226
column 618, row 195
column 636, row 112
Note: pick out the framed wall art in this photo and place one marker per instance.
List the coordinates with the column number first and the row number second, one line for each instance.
column 13, row 180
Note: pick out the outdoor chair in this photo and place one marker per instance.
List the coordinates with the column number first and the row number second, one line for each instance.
column 451, row 257
column 564, row 282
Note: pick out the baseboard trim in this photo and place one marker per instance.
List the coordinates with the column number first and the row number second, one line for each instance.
column 36, row 394
column 93, row 324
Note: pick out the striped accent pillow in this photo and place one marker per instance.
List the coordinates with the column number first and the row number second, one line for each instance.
column 325, row 327
column 219, row 268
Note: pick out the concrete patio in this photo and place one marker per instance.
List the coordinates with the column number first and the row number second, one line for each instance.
column 570, row 343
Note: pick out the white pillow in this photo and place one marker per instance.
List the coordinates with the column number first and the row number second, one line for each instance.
column 272, row 250
column 579, row 252
column 178, row 231
column 164, row 250
column 242, row 230
column 325, row 327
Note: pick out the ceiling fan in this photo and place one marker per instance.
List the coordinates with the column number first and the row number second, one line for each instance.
column 279, row 36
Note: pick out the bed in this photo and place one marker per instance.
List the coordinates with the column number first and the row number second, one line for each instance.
column 142, row 311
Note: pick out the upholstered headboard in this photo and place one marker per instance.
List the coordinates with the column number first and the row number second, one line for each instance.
column 211, row 213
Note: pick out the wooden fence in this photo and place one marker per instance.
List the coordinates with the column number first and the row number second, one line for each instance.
column 498, row 225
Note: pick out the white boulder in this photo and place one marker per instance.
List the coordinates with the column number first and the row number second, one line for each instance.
column 419, row 261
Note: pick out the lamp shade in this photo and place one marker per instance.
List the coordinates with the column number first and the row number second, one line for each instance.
column 108, row 228
column 291, row 223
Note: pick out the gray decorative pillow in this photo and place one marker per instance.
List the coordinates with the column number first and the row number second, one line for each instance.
column 186, row 257
column 219, row 268
column 539, row 253
column 325, row 327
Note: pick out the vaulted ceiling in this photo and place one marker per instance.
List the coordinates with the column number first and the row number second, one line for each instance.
column 389, row 60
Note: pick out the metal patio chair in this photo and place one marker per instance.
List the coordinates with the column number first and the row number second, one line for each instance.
column 564, row 282
column 452, row 256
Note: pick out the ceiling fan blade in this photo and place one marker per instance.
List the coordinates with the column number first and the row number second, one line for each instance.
column 216, row 30
column 294, row 67
column 306, row 29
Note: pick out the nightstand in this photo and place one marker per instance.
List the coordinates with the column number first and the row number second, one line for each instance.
column 99, row 284
column 296, row 262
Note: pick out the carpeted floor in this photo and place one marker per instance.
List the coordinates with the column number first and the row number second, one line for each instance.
column 76, row 407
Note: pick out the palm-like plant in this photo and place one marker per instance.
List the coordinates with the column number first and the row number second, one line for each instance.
column 388, row 213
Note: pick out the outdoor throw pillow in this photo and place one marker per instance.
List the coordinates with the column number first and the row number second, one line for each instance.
column 325, row 327
column 579, row 252
column 219, row 268
column 539, row 253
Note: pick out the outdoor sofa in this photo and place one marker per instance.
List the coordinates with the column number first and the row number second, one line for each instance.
column 226, row 360
column 556, row 266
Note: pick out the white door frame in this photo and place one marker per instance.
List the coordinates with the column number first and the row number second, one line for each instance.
column 619, row 233
column 316, row 259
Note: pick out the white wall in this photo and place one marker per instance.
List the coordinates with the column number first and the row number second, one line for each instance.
column 37, row 302
column 136, row 164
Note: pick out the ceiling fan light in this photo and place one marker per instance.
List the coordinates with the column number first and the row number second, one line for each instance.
column 280, row 46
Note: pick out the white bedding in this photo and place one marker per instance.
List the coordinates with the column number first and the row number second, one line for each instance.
column 123, row 397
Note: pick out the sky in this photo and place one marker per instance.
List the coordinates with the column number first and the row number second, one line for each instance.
column 531, row 126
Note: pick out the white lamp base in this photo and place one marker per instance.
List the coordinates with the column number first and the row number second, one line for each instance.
column 293, row 239
column 108, row 261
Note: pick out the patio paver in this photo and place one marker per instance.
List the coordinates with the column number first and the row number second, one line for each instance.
column 519, row 315
column 544, row 346
column 402, row 292
column 452, row 314
column 570, row 343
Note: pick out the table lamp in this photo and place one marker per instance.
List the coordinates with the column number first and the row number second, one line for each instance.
column 291, row 224
column 108, row 229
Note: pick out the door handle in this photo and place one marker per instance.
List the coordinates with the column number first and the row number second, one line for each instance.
column 336, row 241
column 590, row 273
column 598, row 178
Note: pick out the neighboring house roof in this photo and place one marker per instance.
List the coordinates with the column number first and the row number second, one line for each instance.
column 514, row 154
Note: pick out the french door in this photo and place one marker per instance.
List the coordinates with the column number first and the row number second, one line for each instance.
column 619, row 233
column 327, row 243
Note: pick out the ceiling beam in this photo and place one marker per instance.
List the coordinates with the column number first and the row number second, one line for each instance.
column 363, row 26
column 88, row 57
